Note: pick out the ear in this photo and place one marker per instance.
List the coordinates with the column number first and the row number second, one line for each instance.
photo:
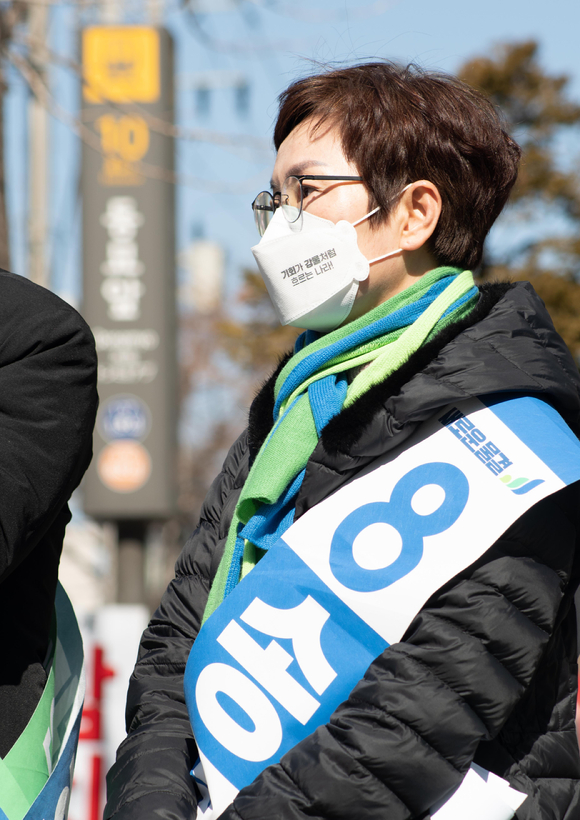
column 418, row 213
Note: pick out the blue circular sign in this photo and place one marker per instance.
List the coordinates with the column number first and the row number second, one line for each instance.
column 124, row 417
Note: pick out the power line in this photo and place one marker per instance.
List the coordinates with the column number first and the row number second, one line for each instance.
column 323, row 16
column 52, row 3
column 45, row 98
column 309, row 14
column 234, row 46
column 158, row 124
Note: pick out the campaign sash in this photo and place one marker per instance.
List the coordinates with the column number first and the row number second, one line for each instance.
column 289, row 644
column 60, row 743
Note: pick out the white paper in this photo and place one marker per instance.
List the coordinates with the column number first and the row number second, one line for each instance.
column 482, row 795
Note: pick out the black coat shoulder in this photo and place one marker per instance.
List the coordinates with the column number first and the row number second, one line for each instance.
column 48, row 401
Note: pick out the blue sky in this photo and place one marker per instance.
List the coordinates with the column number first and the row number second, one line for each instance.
column 269, row 43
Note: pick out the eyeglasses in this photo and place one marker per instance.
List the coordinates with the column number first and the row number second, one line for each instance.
column 290, row 199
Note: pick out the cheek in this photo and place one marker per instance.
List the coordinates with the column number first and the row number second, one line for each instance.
column 376, row 241
column 372, row 243
column 353, row 203
column 348, row 202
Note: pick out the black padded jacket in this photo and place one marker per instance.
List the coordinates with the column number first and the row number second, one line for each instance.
column 48, row 401
column 487, row 669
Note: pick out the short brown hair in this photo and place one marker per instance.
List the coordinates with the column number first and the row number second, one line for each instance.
column 400, row 124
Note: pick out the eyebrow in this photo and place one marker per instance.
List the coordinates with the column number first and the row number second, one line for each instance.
column 299, row 168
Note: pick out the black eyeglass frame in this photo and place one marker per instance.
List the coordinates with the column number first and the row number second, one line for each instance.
column 273, row 206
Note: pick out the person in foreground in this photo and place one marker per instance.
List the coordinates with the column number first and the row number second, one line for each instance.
column 48, row 402
column 485, row 672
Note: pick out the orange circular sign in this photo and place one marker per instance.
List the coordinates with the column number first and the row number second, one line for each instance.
column 124, row 466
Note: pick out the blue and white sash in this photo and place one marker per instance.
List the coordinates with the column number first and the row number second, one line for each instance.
column 62, row 738
column 288, row 645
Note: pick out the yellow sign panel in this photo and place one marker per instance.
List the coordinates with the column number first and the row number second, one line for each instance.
column 124, row 141
column 121, row 64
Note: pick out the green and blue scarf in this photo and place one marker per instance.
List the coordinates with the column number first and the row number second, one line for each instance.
column 314, row 387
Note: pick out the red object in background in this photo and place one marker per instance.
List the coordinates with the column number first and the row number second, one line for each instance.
column 111, row 636
column 100, row 673
column 91, row 720
column 91, row 728
column 95, row 812
column 90, row 723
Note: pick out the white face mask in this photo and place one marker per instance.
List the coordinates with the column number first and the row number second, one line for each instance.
column 312, row 269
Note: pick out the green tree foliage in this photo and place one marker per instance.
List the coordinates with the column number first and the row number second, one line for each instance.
column 544, row 209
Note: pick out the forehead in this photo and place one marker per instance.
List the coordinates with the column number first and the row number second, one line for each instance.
column 309, row 150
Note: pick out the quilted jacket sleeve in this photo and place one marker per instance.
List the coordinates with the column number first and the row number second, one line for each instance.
column 47, row 409
column 150, row 778
column 410, row 729
column 48, row 401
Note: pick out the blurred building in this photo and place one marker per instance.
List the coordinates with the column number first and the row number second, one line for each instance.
column 203, row 262
column 111, row 634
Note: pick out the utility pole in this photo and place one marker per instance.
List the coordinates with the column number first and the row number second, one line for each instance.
column 38, row 152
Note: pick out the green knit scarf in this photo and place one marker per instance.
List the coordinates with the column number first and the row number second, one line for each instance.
column 290, row 444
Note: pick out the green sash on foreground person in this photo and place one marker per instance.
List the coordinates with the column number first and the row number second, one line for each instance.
column 36, row 774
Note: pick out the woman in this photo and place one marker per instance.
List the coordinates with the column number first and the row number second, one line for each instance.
column 385, row 185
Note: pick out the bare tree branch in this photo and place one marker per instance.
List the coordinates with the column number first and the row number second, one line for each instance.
column 158, row 124
column 87, row 135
